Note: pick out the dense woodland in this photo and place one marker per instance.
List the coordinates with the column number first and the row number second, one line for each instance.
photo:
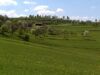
column 38, row 26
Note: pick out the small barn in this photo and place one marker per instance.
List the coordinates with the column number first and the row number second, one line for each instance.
column 39, row 25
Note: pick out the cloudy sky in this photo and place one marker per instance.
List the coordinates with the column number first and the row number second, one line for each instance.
column 76, row 9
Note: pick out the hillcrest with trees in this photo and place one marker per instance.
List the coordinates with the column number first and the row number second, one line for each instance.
column 37, row 26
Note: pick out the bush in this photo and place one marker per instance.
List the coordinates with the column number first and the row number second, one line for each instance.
column 40, row 31
column 4, row 29
column 25, row 37
column 53, row 31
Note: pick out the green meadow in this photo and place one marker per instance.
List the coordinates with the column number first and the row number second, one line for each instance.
column 53, row 55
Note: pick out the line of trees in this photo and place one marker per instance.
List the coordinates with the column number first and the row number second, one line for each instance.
column 24, row 27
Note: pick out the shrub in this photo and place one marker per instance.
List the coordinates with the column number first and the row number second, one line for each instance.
column 53, row 31
column 40, row 31
column 4, row 29
column 25, row 37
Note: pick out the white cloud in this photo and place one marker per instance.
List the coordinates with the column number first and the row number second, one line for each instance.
column 10, row 13
column 30, row 2
column 84, row 18
column 45, row 10
column 59, row 10
column 41, row 7
column 7, row 2
column 26, row 10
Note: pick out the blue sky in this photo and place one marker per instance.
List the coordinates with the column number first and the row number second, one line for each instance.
column 76, row 9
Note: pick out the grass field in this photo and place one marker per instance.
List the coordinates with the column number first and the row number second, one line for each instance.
column 51, row 56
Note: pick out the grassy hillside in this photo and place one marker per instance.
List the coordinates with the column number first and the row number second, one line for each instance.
column 51, row 56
